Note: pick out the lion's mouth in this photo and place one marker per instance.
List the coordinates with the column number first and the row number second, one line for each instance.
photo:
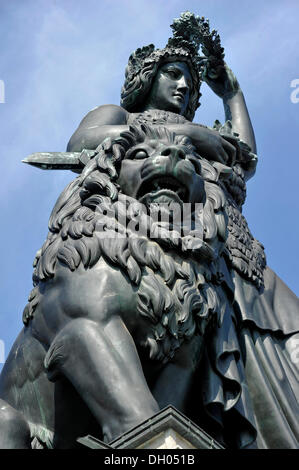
column 163, row 185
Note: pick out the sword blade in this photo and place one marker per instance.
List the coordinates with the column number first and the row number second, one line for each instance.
column 55, row 160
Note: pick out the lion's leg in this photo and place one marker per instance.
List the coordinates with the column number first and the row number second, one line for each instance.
column 175, row 381
column 102, row 363
column 14, row 429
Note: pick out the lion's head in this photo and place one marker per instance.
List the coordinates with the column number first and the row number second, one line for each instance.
column 162, row 168
column 176, row 271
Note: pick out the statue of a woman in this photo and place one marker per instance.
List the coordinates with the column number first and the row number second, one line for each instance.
column 162, row 87
column 245, row 387
column 248, row 376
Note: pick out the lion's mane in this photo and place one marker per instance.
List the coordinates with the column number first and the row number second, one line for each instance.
column 177, row 276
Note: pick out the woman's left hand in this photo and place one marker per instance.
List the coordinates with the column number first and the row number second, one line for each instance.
column 220, row 79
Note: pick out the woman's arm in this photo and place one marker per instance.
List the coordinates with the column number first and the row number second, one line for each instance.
column 110, row 120
column 104, row 121
column 224, row 83
column 236, row 111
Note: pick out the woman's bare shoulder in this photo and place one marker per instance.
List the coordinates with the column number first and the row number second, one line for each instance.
column 105, row 115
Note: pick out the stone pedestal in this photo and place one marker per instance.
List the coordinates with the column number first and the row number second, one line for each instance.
column 168, row 429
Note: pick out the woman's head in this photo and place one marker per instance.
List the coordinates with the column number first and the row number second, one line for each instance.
column 143, row 74
column 190, row 33
column 170, row 90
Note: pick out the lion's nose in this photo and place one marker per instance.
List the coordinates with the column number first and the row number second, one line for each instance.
column 173, row 151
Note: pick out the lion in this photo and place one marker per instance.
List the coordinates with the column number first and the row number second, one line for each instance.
column 122, row 300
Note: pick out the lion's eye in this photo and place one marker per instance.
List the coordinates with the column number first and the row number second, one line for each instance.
column 139, row 155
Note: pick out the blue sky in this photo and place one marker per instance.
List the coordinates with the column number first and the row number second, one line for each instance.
column 59, row 59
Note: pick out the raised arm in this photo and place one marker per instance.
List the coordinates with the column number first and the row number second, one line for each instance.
column 224, row 83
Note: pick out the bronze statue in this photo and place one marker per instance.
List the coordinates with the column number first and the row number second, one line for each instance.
column 128, row 313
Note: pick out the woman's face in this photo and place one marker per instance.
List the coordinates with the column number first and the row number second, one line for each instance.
column 171, row 88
